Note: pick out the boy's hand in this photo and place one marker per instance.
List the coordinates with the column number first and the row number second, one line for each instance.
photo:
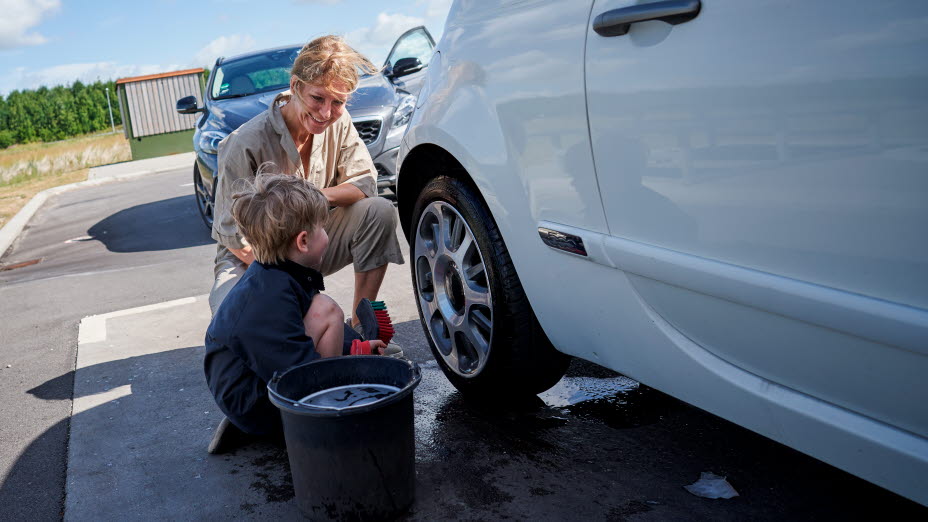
column 359, row 347
column 377, row 346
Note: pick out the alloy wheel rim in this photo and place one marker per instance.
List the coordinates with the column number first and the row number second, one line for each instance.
column 453, row 290
column 206, row 206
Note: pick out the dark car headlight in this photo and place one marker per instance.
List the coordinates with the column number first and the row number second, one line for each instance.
column 404, row 109
column 209, row 141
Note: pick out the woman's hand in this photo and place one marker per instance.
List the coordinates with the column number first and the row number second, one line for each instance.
column 245, row 255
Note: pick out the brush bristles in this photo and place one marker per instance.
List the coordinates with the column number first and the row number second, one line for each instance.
column 384, row 323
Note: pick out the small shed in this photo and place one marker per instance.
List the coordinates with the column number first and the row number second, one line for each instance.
column 150, row 119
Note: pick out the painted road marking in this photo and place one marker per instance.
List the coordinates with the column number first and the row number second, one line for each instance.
column 93, row 328
column 87, row 402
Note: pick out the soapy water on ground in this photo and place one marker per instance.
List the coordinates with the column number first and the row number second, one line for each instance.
column 711, row 485
column 573, row 390
column 349, row 396
column 618, row 401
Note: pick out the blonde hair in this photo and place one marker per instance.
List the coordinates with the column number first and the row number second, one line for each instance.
column 329, row 61
column 273, row 209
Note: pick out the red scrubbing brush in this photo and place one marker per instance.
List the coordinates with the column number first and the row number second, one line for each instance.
column 384, row 323
column 375, row 320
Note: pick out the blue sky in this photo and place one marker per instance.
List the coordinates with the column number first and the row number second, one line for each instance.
column 54, row 42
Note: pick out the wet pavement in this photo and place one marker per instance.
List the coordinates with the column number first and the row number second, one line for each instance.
column 601, row 447
column 597, row 446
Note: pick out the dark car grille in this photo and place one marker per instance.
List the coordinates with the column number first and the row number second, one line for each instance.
column 369, row 130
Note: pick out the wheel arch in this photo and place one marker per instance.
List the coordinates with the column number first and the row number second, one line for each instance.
column 421, row 165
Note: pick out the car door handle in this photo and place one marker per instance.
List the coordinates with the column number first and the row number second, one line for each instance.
column 617, row 21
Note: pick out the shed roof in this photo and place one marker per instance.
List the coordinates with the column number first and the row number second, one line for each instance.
column 156, row 76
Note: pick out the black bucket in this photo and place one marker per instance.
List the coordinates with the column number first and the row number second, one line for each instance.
column 354, row 463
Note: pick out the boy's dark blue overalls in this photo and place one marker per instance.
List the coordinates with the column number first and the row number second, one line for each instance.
column 257, row 330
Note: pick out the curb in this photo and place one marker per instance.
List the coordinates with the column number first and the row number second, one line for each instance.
column 15, row 226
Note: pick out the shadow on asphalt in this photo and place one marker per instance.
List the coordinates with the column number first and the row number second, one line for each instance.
column 168, row 224
column 58, row 389
column 623, row 454
column 150, row 439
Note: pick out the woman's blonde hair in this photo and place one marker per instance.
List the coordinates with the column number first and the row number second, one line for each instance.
column 329, row 61
column 273, row 209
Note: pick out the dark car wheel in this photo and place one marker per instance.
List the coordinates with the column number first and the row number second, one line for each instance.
column 204, row 198
column 478, row 321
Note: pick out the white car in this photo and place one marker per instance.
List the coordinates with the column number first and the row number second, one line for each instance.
column 725, row 200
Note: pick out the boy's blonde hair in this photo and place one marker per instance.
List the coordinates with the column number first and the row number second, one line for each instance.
column 272, row 210
column 329, row 61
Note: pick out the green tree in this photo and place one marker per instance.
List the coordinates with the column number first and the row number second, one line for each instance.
column 18, row 119
column 6, row 138
column 57, row 113
column 82, row 106
column 4, row 116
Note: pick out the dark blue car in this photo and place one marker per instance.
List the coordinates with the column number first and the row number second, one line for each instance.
column 240, row 87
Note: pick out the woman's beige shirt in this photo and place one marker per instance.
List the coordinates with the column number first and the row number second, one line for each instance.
column 338, row 156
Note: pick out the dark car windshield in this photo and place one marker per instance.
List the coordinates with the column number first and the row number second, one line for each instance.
column 253, row 74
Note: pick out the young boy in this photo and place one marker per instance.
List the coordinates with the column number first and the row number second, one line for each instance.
column 275, row 317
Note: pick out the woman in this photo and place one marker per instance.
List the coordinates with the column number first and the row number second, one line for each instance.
column 307, row 132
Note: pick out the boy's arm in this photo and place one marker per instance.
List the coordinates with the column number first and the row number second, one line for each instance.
column 270, row 334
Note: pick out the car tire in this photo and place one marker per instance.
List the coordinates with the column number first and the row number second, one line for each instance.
column 476, row 316
column 204, row 197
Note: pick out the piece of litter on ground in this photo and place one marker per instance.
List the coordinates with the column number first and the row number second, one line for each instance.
column 711, row 485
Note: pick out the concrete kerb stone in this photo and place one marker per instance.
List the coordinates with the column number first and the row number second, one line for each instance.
column 15, row 226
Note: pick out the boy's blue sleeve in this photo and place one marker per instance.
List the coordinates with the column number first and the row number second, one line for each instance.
column 271, row 337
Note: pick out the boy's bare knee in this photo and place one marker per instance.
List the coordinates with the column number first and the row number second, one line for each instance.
column 325, row 309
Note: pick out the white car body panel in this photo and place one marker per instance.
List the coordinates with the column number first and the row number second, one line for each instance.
column 537, row 128
column 755, row 217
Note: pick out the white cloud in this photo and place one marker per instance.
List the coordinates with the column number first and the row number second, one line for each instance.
column 22, row 78
column 436, row 13
column 436, row 8
column 223, row 46
column 375, row 42
column 19, row 17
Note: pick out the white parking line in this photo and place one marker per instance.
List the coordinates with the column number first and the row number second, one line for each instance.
column 93, row 328
column 187, row 185
column 88, row 402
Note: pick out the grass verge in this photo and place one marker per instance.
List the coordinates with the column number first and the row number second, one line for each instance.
column 14, row 197
column 26, row 170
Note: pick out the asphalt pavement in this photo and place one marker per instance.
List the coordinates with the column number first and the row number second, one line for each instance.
column 100, row 249
column 106, row 415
